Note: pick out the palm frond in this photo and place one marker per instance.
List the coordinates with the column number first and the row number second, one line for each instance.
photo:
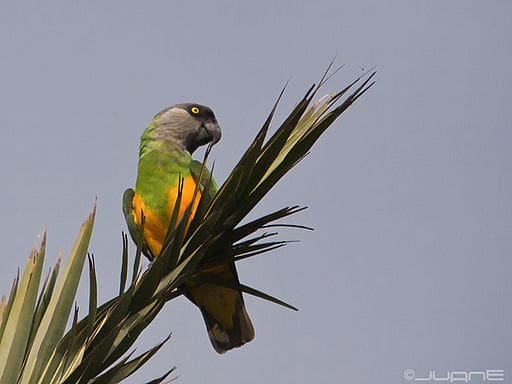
column 96, row 349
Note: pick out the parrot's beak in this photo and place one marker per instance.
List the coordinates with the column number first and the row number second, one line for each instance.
column 213, row 129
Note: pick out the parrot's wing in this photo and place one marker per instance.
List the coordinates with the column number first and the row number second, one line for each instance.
column 133, row 228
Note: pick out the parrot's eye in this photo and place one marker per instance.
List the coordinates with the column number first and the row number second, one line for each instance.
column 194, row 110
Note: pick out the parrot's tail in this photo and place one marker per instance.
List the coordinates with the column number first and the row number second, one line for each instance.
column 222, row 306
column 223, row 309
column 223, row 339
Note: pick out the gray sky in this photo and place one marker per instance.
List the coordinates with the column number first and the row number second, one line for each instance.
column 409, row 265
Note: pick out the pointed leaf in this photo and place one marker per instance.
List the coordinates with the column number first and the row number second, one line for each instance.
column 54, row 320
column 17, row 329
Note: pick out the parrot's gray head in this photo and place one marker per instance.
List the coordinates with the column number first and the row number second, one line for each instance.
column 189, row 124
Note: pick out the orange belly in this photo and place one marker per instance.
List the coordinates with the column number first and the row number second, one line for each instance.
column 155, row 224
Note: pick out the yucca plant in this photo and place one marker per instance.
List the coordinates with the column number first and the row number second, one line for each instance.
column 32, row 326
column 33, row 346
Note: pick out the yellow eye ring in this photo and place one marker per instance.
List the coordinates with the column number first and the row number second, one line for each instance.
column 195, row 110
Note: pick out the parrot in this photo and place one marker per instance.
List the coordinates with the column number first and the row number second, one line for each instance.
column 165, row 158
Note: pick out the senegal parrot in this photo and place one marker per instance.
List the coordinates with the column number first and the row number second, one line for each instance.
column 165, row 156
